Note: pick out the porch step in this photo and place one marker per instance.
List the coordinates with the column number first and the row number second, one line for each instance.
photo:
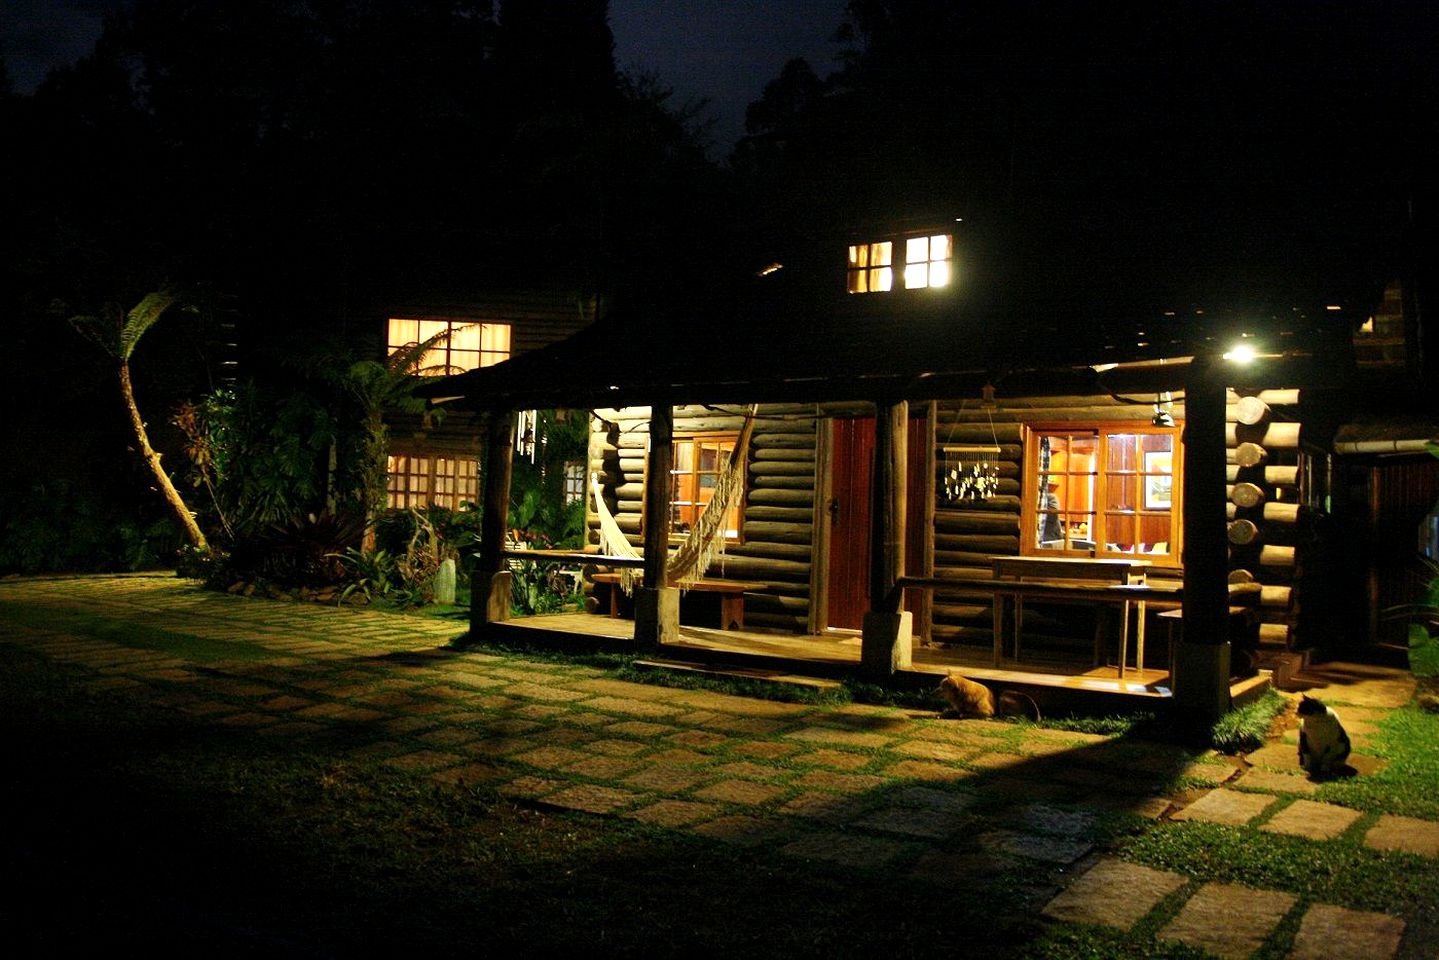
column 1283, row 664
column 1250, row 689
column 732, row 672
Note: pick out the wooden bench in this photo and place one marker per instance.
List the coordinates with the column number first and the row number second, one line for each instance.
column 730, row 592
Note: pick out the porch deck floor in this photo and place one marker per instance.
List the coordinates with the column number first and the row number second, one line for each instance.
column 840, row 648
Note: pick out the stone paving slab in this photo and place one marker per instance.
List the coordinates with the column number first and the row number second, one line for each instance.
column 1225, row 806
column 827, row 807
column 850, row 738
column 847, row 849
column 1362, row 685
column 1316, row 821
column 838, row 759
column 928, row 824
column 591, row 798
column 1228, row 920
column 674, row 813
column 950, row 752
column 739, row 791
column 1277, row 756
column 1263, row 778
column 1404, row 834
column 1113, row 894
column 926, row 770
column 1334, row 933
column 746, row 831
column 1060, row 850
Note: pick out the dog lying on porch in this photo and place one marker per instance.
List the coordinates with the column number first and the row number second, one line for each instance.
column 968, row 698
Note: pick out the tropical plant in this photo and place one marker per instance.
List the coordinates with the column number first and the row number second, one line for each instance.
column 304, row 550
column 381, row 388
column 370, row 574
column 539, row 588
column 117, row 332
column 262, row 459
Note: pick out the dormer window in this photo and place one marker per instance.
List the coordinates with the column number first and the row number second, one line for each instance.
column 928, row 262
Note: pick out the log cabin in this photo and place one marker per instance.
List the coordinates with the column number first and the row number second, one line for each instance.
column 912, row 418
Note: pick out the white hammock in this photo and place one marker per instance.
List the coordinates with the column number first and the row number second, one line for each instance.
column 612, row 538
column 706, row 541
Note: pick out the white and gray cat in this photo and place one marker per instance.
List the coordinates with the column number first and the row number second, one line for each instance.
column 1323, row 744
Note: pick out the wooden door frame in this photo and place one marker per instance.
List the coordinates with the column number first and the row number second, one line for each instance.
column 822, row 524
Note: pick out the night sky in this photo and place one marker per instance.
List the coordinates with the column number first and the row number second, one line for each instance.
column 723, row 51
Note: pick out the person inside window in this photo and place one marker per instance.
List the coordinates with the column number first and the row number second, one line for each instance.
column 1051, row 528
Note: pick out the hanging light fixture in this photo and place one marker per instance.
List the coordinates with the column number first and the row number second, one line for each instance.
column 1163, row 403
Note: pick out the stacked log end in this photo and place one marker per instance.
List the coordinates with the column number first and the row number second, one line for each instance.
column 1262, row 432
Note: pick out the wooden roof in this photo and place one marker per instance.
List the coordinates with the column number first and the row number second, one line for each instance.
column 1029, row 320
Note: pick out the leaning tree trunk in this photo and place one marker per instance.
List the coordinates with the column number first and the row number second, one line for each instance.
column 152, row 460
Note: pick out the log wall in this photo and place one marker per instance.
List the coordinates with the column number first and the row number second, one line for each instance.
column 781, row 514
column 778, row 524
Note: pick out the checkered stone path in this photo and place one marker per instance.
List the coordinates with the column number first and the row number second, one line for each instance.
column 1227, row 920
column 855, row 787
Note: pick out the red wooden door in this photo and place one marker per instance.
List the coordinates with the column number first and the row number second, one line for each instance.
column 851, row 490
column 851, row 485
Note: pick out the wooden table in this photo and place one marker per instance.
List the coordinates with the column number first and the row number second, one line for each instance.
column 1109, row 582
column 731, row 596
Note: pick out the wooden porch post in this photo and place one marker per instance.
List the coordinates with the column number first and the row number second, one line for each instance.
column 885, row 644
column 1201, row 681
column 657, row 605
column 490, row 581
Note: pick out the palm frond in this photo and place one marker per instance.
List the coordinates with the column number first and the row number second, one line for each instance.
column 141, row 318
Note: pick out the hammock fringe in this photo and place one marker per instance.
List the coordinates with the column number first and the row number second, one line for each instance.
column 706, row 541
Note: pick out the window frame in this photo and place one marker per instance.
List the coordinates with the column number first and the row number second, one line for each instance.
column 461, row 478
column 1098, row 533
column 728, row 437
column 429, row 367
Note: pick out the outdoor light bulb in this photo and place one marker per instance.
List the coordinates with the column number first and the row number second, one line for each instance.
column 1241, row 353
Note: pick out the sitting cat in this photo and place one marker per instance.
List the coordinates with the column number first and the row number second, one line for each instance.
column 1323, row 744
column 966, row 698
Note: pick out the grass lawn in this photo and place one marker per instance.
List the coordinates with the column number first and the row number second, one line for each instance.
column 1340, row 871
column 137, row 827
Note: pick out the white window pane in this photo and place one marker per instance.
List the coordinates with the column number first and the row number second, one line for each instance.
column 939, row 246
column 495, row 338
column 939, row 274
column 466, row 337
column 402, row 332
column 916, row 275
column 916, row 250
column 464, row 360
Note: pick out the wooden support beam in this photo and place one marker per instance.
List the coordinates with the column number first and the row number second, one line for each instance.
column 885, row 643
column 490, row 581
column 1202, row 669
column 657, row 605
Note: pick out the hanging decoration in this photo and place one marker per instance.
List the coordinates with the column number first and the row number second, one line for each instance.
column 971, row 471
column 528, row 438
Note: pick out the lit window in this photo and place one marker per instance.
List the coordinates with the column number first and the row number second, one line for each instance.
column 470, row 345
column 928, row 262
column 418, row 481
column 870, row 267
column 1103, row 492
column 698, row 462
